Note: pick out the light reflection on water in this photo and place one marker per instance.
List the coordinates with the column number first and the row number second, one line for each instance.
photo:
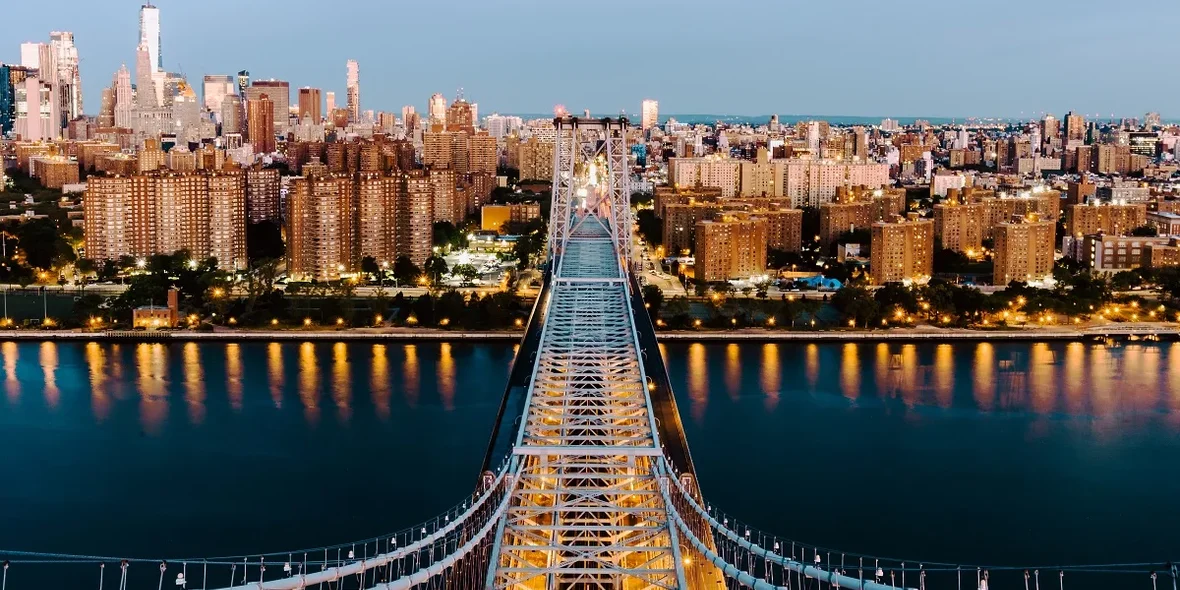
column 11, row 382
column 446, row 376
column 698, row 380
column 772, row 375
column 341, row 386
column 194, row 382
column 96, row 360
column 49, row 369
column 379, row 380
column 1081, row 425
column 1068, row 379
column 1047, row 379
column 309, row 381
column 274, row 372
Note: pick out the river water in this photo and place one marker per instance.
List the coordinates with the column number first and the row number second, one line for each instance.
column 1004, row 453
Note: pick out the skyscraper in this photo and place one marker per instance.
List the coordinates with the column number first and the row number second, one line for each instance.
column 330, row 98
column 309, row 105
column 354, row 91
column 231, row 115
column 106, row 111
column 215, row 89
column 123, row 98
column 260, row 123
column 243, row 82
column 68, row 78
column 149, row 34
column 145, row 85
column 650, row 115
column 436, row 110
column 279, row 93
column 12, row 77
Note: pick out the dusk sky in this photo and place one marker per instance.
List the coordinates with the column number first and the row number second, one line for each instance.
column 1007, row 58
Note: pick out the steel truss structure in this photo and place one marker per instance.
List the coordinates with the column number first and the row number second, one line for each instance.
column 587, row 511
column 582, row 144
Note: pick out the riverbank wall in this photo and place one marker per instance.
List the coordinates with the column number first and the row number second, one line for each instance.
column 1116, row 331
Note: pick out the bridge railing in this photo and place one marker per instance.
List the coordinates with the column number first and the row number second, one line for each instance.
column 751, row 558
column 450, row 550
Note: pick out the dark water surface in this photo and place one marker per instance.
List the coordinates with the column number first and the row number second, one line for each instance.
column 1005, row 453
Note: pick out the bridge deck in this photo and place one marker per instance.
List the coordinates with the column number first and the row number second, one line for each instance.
column 587, row 510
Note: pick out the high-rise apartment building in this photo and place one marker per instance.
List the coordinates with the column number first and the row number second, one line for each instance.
column 1024, row 250
column 1115, row 219
column 535, row 159
column 262, row 194
column 1075, row 127
column 438, row 149
column 856, row 208
column 1050, row 127
column 902, row 250
column 459, row 117
column 214, row 90
column 483, row 157
column 445, row 205
column 960, row 226
column 227, row 218
column 322, row 241
column 415, row 216
column 680, row 222
column 650, row 114
column 260, row 123
column 354, row 91
column 377, row 196
column 784, row 228
column 330, row 102
column 279, row 93
column 163, row 212
column 729, row 247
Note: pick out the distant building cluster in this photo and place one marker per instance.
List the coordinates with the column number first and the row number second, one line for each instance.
column 988, row 191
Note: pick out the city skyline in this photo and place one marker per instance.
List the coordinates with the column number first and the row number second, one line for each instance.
column 1050, row 63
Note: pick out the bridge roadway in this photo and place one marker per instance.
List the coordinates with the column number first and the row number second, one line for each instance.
column 588, row 507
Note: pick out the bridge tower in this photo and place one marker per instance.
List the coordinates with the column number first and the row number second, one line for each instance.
column 590, row 154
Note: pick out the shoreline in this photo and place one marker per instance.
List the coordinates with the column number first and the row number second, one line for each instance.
column 1132, row 331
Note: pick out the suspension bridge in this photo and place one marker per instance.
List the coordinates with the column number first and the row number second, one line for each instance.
column 588, row 483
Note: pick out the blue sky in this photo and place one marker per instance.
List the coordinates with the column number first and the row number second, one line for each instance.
column 956, row 58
